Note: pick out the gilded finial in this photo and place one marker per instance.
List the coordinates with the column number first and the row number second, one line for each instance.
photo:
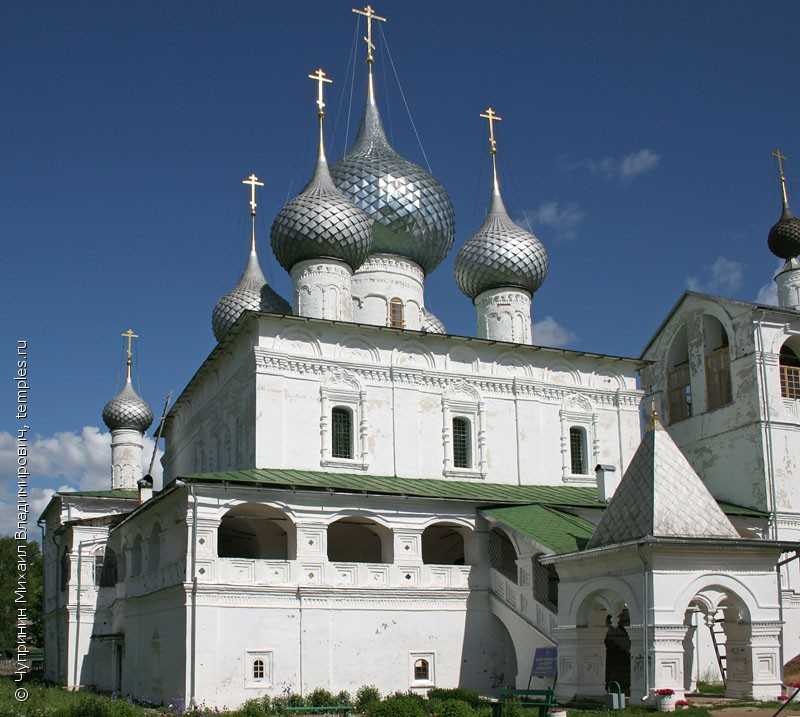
column 252, row 181
column 321, row 78
column 491, row 116
column 369, row 13
column 780, row 157
column 130, row 336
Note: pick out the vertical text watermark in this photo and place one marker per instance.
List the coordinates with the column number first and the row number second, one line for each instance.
column 23, row 658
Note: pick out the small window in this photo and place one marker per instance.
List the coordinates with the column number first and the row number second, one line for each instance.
column 258, row 669
column 342, row 433
column 577, row 450
column 396, row 313
column 462, row 448
column 790, row 371
column 422, row 670
column 99, row 559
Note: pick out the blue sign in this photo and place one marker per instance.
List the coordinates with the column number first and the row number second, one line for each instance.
column 545, row 662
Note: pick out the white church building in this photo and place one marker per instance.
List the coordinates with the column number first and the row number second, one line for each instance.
column 353, row 496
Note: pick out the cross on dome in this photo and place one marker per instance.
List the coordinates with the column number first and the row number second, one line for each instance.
column 369, row 13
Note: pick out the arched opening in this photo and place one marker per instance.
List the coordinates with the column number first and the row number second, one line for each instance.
column 718, row 363
column 154, row 549
column 341, row 432
column 462, row 442
column 679, row 383
column 545, row 583
column 359, row 540
column 422, row 670
column 136, row 557
column 396, row 313
column 618, row 651
column 254, row 531
column 443, row 544
column 790, row 368
column 578, row 454
column 502, row 554
column 99, row 561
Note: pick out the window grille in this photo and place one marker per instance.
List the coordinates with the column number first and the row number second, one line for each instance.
column 258, row 669
column 421, row 670
column 462, row 450
column 718, row 378
column 679, row 393
column 577, row 450
column 396, row 311
column 790, row 373
column 342, row 433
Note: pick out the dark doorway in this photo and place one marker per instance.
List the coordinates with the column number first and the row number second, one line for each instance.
column 618, row 653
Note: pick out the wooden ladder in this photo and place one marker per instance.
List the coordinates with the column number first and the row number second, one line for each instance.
column 719, row 647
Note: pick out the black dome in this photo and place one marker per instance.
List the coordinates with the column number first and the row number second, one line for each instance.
column 784, row 237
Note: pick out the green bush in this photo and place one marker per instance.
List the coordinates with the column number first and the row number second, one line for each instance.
column 344, row 698
column 471, row 697
column 365, row 696
column 399, row 705
column 293, row 700
column 433, row 706
column 320, row 698
column 456, row 708
column 253, row 708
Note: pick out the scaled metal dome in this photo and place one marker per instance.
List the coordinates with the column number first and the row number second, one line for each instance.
column 412, row 212
column 127, row 409
column 431, row 323
column 321, row 222
column 784, row 237
column 251, row 293
column 501, row 254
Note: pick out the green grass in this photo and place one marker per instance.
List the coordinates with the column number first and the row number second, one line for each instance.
column 711, row 688
column 636, row 712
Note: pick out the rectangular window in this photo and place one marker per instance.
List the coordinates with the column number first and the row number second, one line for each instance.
column 718, row 378
column 342, row 433
column 790, row 381
column 462, row 448
column 396, row 318
column 679, row 393
column 577, row 451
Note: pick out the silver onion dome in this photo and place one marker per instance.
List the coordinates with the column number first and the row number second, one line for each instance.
column 412, row 212
column 127, row 409
column 501, row 254
column 321, row 222
column 251, row 293
column 432, row 324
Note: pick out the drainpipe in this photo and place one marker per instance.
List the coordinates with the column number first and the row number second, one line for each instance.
column 645, row 626
column 516, row 431
column 192, row 677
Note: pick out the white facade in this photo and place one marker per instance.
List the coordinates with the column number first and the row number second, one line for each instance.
column 383, row 279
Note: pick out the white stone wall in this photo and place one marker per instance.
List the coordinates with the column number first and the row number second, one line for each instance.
column 504, row 315
column 126, row 458
column 322, row 289
column 381, row 278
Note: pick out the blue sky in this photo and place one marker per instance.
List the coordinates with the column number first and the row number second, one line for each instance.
column 636, row 140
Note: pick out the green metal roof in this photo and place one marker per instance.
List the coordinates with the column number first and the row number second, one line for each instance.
column 118, row 493
column 577, row 496
column 479, row 492
column 559, row 531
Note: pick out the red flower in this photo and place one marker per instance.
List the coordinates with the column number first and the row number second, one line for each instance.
column 665, row 692
column 682, row 703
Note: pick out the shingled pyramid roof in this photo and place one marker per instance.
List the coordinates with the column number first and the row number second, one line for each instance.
column 661, row 496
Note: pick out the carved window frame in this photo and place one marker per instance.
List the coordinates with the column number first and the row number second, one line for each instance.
column 430, row 658
column 267, row 659
column 455, row 404
column 342, row 389
column 578, row 412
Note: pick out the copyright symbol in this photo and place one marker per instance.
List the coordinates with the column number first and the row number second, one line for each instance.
column 21, row 694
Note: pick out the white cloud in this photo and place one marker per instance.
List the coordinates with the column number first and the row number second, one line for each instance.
column 724, row 276
column 564, row 218
column 768, row 294
column 628, row 166
column 548, row 332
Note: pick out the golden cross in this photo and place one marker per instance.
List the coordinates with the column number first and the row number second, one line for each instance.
column 780, row 156
column 492, row 116
column 130, row 336
column 253, row 181
column 321, row 78
column 369, row 13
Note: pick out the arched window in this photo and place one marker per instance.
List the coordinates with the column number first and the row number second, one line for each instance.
column 359, row 540
column 422, row 670
column 502, row 555
column 99, row 559
column 254, row 531
column 136, row 557
column 108, row 578
column 64, row 569
column 545, row 584
column 341, row 432
column 396, row 313
column 718, row 363
column 790, row 368
column 679, row 384
column 577, row 451
column 154, row 549
column 443, row 544
column 462, row 443
column 258, row 669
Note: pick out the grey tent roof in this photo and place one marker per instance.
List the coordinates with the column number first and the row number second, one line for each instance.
column 661, row 496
